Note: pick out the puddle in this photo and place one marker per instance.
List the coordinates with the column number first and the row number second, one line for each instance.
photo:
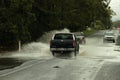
column 7, row 63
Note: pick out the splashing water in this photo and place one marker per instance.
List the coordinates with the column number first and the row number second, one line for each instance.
column 40, row 48
column 47, row 36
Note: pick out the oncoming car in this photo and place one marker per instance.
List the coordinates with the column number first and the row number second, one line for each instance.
column 109, row 36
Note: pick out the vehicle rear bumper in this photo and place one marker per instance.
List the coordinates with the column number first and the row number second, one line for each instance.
column 62, row 49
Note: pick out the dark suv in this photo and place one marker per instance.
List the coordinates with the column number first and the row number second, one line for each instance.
column 64, row 42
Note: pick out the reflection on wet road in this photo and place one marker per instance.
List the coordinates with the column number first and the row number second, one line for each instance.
column 96, row 61
column 6, row 63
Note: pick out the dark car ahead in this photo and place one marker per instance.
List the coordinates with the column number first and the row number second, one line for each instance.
column 64, row 42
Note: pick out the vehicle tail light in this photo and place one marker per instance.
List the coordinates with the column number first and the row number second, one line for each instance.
column 74, row 43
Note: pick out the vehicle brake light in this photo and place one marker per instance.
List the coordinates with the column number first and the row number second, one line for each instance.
column 74, row 43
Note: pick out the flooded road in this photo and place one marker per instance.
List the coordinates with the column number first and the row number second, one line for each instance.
column 8, row 63
column 95, row 61
column 32, row 51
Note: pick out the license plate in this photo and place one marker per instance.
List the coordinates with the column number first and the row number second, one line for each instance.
column 61, row 49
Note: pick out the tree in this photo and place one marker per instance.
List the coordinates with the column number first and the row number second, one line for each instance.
column 15, row 18
column 27, row 20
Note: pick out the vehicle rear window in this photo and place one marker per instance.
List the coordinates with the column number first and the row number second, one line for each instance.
column 63, row 36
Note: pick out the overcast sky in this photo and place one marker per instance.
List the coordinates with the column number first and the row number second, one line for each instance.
column 115, row 6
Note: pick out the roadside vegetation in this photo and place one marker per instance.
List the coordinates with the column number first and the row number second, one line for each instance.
column 116, row 24
column 89, row 32
column 27, row 20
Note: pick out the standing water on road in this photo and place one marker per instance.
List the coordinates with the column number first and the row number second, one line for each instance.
column 34, row 50
column 39, row 48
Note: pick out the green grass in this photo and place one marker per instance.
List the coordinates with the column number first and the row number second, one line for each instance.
column 89, row 32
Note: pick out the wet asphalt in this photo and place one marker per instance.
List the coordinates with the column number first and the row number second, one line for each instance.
column 7, row 63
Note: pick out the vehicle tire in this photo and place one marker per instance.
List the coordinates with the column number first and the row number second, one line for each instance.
column 75, row 53
column 53, row 53
column 78, row 48
column 113, row 41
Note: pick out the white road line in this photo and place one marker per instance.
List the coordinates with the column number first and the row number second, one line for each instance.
column 22, row 68
column 96, row 72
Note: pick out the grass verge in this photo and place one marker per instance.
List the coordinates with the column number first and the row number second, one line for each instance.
column 89, row 32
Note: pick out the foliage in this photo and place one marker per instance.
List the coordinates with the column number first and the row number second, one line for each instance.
column 89, row 32
column 116, row 23
column 15, row 17
column 27, row 20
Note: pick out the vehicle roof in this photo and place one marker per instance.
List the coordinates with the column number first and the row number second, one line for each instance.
column 61, row 33
column 64, row 33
